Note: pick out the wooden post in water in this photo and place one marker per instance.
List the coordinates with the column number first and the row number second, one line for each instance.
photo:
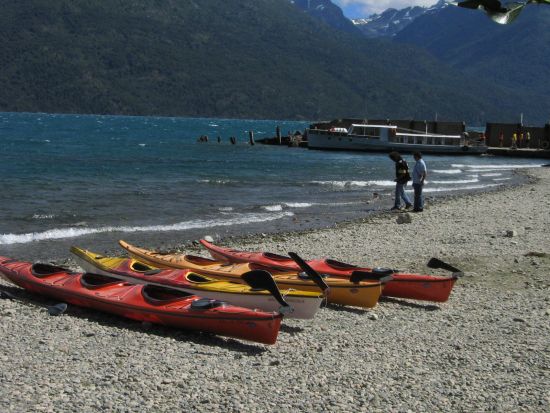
column 278, row 134
column 251, row 137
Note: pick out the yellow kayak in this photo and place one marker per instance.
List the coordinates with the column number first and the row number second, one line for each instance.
column 341, row 290
column 303, row 304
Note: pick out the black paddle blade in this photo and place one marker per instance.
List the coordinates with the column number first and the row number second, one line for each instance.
column 437, row 263
column 357, row 276
column 314, row 275
column 57, row 309
column 262, row 280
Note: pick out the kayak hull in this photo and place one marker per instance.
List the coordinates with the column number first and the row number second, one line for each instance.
column 341, row 291
column 142, row 302
column 403, row 285
column 304, row 304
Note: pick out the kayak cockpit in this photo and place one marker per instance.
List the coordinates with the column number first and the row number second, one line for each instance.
column 339, row 265
column 276, row 257
column 43, row 270
column 92, row 281
column 144, row 268
column 157, row 295
column 200, row 260
column 197, row 278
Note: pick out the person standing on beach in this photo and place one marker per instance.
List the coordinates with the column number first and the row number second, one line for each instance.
column 402, row 176
column 501, row 139
column 419, row 176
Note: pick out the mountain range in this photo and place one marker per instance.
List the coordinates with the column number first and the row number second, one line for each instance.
column 244, row 58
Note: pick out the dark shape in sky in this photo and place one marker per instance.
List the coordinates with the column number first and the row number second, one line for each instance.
column 499, row 12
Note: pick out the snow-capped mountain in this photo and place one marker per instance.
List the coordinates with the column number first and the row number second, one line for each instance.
column 392, row 21
column 328, row 12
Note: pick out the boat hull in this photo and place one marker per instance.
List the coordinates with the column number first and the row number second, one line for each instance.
column 137, row 302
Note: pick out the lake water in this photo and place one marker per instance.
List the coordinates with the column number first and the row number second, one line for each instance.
column 91, row 180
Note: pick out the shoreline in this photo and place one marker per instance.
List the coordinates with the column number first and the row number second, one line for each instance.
column 485, row 349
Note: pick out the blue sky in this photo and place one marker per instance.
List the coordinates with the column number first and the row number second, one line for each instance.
column 363, row 8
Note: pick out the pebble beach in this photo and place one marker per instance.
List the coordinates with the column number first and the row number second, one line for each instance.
column 486, row 349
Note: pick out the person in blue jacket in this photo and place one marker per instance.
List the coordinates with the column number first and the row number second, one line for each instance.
column 419, row 176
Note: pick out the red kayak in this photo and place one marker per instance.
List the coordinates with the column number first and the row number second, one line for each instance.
column 403, row 285
column 150, row 303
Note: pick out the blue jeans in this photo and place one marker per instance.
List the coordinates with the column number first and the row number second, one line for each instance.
column 400, row 194
column 418, row 198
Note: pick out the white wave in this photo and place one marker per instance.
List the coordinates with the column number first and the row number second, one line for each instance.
column 496, row 167
column 349, row 184
column 214, row 125
column 226, row 209
column 501, row 179
column 491, row 170
column 297, row 204
column 447, row 171
column 43, row 216
column 141, row 144
column 215, row 181
column 58, row 233
column 273, row 208
column 457, row 181
column 459, row 188
column 491, row 174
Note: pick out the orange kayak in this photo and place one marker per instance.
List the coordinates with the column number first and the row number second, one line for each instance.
column 341, row 290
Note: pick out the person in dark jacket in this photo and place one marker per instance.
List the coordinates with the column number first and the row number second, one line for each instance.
column 402, row 176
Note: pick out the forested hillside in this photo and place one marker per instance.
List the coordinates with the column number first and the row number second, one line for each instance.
column 241, row 58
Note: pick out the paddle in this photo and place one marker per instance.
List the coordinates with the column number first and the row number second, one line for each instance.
column 437, row 263
column 357, row 276
column 314, row 275
column 262, row 280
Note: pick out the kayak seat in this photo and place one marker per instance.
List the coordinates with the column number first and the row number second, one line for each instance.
column 339, row 265
column 92, row 281
column 141, row 267
column 157, row 295
column 200, row 260
column 43, row 270
column 206, row 304
column 196, row 278
column 276, row 257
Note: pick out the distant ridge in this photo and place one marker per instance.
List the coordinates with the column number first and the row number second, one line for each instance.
column 392, row 21
column 240, row 59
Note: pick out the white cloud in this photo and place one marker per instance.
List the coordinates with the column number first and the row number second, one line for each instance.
column 377, row 6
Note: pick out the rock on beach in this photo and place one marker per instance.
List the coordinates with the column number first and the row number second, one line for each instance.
column 471, row 353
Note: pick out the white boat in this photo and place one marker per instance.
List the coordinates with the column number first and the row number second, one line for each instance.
column 387, row 138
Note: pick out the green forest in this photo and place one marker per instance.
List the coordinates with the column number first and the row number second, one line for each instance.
column 213, row 58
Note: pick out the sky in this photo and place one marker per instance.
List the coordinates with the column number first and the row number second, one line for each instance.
column 354, row 9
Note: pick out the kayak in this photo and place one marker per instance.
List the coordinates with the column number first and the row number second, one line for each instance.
column 149, row 303
column 403, row 285
column 341, row 290
column 302, row 304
